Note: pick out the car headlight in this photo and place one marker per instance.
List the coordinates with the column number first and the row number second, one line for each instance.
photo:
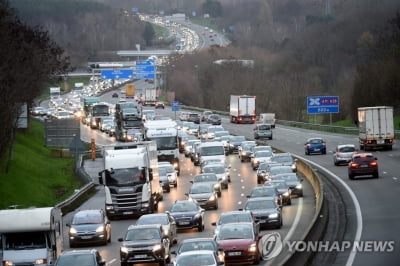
column 293, row 167
column 100, row 229
column 157, row 247
column 273, row 215
column 124, row 250
column 286, row 194
column 176, row 165
column 166, row 232
column 243, row 153
column 253, row 247
column 72, row 230
column 216, row 186
column 212, row 198
column 109, row 207
column 41, row 261
column 299, row 186
column 8, row 263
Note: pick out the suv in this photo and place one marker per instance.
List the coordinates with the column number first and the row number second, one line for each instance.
column 89, row 257
column 145, row 244
column 363, row 164
column 263, row 131
column 193, row 117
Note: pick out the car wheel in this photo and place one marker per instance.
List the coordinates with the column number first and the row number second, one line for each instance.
column 168, row 189
column 289, row 202
column 376, row 175
column 335, row 163
column 324, row 152
column 219, row 194
column 216, row 206
column 176, row 184
column 71, row 245
column 351, row 177
column 109, row 238
column 124, row 264
column 257, row 260
column 200, row 228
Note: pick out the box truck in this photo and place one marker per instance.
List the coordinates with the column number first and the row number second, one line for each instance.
column 150, row 96
column 242, row 109
column 376, row 128
column 31, row 236
column 129, row 91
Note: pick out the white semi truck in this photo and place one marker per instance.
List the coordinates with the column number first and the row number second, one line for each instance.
column 150, row 96
column 130, row 179
column 376, row 128
column 165, row 133
column 30, row 236
column 55, row 93
column 242, row 109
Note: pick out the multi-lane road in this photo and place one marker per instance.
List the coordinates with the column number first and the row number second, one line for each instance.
column 372, row 213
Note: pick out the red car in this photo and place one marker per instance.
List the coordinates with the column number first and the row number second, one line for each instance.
column 239, row 242
column 160, row 105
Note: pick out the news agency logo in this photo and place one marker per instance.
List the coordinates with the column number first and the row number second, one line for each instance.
column 271, row 245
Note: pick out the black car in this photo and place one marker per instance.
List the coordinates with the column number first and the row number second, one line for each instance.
column 266, row 191
column 193, row 117
column 204, row 194
column 293, row 181
column 188, row 214
column 265, row 211
column 115, row 95
column 90, row 257
column 283, row 190
column 234, row 143
column 285, row 159
column 363, row 164
column 89, row 227
column 145, row 244
column 214, row 119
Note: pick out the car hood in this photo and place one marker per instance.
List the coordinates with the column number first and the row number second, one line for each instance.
column 140, row 243
column 201, row 196
column 263, row 212
column 232, row 244
column 183, row 214
column 86, row 227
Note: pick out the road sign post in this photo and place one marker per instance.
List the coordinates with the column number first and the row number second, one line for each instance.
column 175, row 107
column 323, row 105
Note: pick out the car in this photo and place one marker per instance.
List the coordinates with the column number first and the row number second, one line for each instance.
column 220, row 169
column 133, row 135
column 161, row 117
column 204, row 194
column 87, row 257
column 194, row 117
column 202, row 133
column 285, row 158
column 205, row 114
column 145, row 244
column 115, row 95
column 38, row 111
column 148, row 114
column 164, row 182
column 235, row 217
column 276, row 169
column 246, row 150
column 315, row 145
column 363, row 164
column 260, row 157
column 160, row 105
column 199, row 243
column 89, row 227
column 209, row 178
column 266, row 211
column 262, row 172
column 188, row 146
column 234, row 143
column 214, row 119
column 183, row 116
column 198, row 257
column 283, row 190
column 240, row 243
column 172, row 174
column 293, row 181
column 266, row 191
column 343, row 153
column 167, row 222
column 219, row 134
column 262, row 131
column 192, row 129
column 211, row 131
column 225, row 142
column 187, row 214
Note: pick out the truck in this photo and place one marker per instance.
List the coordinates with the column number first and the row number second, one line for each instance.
column 55, row 93
column 165, row 134
column 376, row 128
column 97, row 111
column 130, row 179
column 130, row 91
column 127, row 117
column 149, row 96
column 32, row 236
column 87, row 103
column 242, row 109
column 268, row 118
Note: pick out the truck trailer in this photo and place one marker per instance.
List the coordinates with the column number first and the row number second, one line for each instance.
column 376, row 128
column 149, row 96
column 242, row 109
column 130, row 179
column 32, row 236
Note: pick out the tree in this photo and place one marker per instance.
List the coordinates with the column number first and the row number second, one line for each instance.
column 29, row 61
column 213, row 8
column 148, row 33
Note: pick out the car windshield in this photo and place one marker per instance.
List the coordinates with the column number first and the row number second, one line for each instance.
column 142, row 234
column 212, row 150
column 315, row 141
column 263, row 154
column 214, row 169
column 238, row 138
column 205, row 178
column 292, row 177
column 259, row 205
column 153, row 219
column 279, row 185
column 87, row 218
column 196, row 245
column 195, row 260
column 263, row 192
column 280, row 170
column 76, row 259
column 264, row 127
column 200, row 189
column 168, row 168
column 236, row 231
column 184, row 207
column 347, row 149
column 235, row 218
column 282, row 159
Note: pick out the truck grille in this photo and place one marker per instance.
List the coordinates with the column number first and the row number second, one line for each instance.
column 127, row 201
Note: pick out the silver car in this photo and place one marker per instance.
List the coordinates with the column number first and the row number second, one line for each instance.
column 343, row 154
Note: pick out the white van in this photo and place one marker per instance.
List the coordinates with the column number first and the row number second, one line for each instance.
column 212, row 149
column 268, row 118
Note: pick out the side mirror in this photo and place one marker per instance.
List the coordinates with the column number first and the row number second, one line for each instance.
column 187, row 194
column 214, row 224
column 120, row 239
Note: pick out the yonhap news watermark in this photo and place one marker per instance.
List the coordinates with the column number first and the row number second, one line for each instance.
column 271, row 245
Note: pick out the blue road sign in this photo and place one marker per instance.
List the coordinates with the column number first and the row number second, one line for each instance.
column 135, row 9
column 117, row 73
column 175, row 106
column 145, row 69
column 322, row 104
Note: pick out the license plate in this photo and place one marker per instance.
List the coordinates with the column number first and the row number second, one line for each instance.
column 364, row 165
column 140, row 256
column 86, row 237
column 127, row 213
column 184, row 223
column 380, row 141
column 262, row 221
column 234, row 253
column 316, row 149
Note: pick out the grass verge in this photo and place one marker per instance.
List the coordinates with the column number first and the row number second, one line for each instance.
column 34, row 178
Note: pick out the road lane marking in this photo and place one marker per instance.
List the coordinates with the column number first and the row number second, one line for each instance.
column 295, row 222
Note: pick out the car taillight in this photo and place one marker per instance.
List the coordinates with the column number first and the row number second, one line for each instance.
column 373, row 164
column 324, row 144
column 354, row 165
